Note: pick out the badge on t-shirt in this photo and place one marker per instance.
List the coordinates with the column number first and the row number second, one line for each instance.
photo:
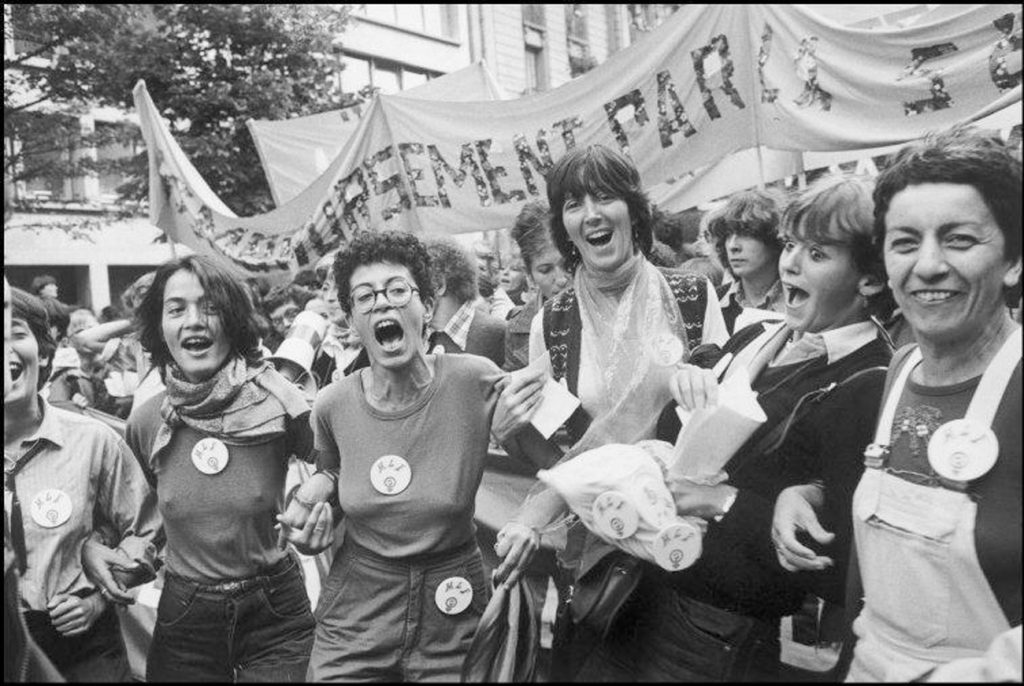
column 667, row 350
column 51, row 508
column 614, row 515
column 438, row 349
column 390, row 474
column 677, row 546
column 453, row 595
column 963, row 450
column 210, row 456
column 337, row 374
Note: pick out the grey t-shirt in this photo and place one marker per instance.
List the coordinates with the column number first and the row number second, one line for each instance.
column 443, row 438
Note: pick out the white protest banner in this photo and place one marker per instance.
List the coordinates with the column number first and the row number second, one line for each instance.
column 710, row 81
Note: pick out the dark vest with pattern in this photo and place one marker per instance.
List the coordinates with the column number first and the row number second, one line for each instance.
column 563, row 328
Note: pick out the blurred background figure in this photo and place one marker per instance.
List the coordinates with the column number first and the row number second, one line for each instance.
column 494, row 300
column 341, row 352
column 681, row 231
column 45, row 286
column 745, row 235
column 458, row 326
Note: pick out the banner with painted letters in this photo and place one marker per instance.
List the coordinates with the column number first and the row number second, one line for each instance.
column 712, row 80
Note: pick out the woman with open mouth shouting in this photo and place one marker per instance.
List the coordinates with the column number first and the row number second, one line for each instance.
column 404, row 443
column 66, row 477
column 218, row 440
column 615, row 335
column 937, row 511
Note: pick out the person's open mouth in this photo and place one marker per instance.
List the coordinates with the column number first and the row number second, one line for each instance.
column 197, row 345
column 389, row 334
column 795, row 296
column 933, row 296
column 600, row 238
column 16, row 368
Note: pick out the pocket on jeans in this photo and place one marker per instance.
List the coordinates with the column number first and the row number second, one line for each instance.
column 286, row 599
column 176, row 600
column 333, row 585
column 702, row 639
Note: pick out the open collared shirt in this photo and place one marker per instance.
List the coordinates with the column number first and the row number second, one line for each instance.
column 457, row 327
column 97, row 473
column 835, row 343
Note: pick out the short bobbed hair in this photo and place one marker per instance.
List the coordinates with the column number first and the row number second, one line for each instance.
column 597, row 170
column 394, row 247
column 962, row 155
column 226, row 291
column 838, row 210
column 454, row 266
column 753, row 213
column 532, row 231
column 31, row 310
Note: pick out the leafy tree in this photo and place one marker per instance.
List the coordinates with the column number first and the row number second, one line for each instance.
column 208, row 68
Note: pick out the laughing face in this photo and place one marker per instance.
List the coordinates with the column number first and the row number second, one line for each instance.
column 23, row 364
column 944, row 254
column 192, row 328
column 822, row 285
column 600, row 228
column 392, row 333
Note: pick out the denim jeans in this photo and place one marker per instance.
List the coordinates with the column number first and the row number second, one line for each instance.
column 377, row 619
column 255, row 629
column 98, row 655
column 662, row 635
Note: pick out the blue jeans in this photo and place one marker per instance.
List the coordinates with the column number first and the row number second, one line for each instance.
column 255, row 629
column 98, row 655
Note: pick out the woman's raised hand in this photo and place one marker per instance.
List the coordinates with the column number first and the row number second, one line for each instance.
column 521, row 393
column 694, row 388
column 515, row 547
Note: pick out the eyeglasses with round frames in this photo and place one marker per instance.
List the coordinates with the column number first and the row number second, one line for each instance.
column 397, row 291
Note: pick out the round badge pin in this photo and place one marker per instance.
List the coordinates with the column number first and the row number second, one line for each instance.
column 677, row 546
column 210, row 456
column 453, row 595
column 963, row 450
column 614, row 515
column 438, row 350
column 336, row 374
column 667, row 349
column 653, row 501
column 390, row 474
column 50, row 508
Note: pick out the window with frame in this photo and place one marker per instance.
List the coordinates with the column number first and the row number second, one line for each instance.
column 535, row 66
column 434, row 20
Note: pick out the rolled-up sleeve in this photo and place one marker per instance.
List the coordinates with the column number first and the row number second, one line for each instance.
column 128, row 502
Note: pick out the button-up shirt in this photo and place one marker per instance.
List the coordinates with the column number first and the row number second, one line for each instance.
column 97, row 473
column 457, row 327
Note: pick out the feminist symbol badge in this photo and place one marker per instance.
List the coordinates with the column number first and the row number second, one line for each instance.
column 390, row 475
column 51, row 508
column 963, row 450
column 614, row 515
column 210, row 456
column 677, row 546
column 667, row 350
column 453, row 595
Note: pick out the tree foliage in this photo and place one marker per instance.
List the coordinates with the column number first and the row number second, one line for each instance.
column 208, row 68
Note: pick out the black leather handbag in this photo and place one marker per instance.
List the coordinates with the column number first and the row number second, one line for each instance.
column 599, row 595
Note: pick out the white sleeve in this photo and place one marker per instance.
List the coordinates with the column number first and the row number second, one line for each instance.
column 1002, row 662
column 714, row 323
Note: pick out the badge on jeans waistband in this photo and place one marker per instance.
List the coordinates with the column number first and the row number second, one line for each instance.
column 963, row 450
column 453, row 595
column 390, row 474
column 50, row 508
column 210, row 456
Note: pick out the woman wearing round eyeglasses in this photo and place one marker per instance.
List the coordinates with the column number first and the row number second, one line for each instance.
column 405, row 441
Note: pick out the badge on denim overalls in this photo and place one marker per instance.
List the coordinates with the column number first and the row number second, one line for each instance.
column 51, row 508
column 210, row 456
column 390, row 474
column 963, row 450
column 453, row 595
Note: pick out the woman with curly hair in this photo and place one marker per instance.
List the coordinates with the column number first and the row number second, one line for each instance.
column 402, row 445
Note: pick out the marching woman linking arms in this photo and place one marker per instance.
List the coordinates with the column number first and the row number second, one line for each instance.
column 65, row 477
column 937, row 512
column 405, row 440
column 234, row 605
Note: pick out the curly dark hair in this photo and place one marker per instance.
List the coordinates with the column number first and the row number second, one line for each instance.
column 754, row 213
column 224, row 288
column 452, row 266
column 597, row 169
column 395, row 247
column 30, row 309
